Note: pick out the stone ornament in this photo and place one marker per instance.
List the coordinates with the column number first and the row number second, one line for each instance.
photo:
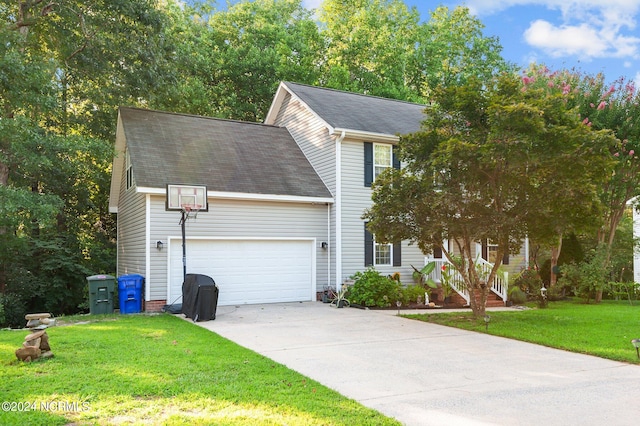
column 36, row 344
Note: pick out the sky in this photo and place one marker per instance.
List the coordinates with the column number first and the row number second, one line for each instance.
column 590, row 36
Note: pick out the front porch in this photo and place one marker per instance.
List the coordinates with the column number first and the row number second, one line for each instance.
column 460, row 296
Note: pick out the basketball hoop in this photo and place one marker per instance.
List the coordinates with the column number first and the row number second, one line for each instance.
column 189, row 208
column 188, row 200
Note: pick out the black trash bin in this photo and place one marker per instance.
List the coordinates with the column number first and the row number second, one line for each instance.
column 101, row 289
column 199, row 297
column 130, row 293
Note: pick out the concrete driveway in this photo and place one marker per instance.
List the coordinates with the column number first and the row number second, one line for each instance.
column 425, row 374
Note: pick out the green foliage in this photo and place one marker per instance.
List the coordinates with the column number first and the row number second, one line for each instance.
column 371, row 289
column 585, row 279
column 163, row 370
column 490, row 162
column 412, row 293
column 422, row 276
column 530, row 285
column 601, row 330
column 517, row 296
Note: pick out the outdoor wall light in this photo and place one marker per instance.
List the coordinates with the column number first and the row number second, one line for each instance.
column 636, row 344
column 159, row 245
column 324, row 245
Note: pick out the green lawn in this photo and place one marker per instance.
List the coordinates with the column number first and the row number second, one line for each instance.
column 603, row 330
column 139, row 369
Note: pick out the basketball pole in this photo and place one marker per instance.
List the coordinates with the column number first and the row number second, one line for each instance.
column 184, row 247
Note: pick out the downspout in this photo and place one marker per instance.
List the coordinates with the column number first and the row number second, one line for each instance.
column 328, row 245
column 147, row 255
column 339, row 210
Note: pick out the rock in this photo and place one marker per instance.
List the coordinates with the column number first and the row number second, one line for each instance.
column 37, row 316
column 33, row 323
column 35, row 335
column 48, row 321
column 47, row 354
column 32, row 342
column 28, row 353
column 44, row 343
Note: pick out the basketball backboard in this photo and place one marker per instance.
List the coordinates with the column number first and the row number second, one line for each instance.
column 187, row 198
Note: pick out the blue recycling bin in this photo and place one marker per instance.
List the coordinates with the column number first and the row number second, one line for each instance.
column 130, row 293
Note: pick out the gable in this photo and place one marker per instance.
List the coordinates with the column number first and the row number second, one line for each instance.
column 355, row 112
column 225, row 155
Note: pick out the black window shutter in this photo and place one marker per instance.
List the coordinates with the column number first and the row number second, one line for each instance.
column 485, row 250
column 505, row 259
column 397, row 254
column 368, row 164
column 368, row 247
column 437, row 252
column 396, row 160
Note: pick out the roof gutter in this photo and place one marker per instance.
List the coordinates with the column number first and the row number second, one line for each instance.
column 368, row 136
column 221, row 195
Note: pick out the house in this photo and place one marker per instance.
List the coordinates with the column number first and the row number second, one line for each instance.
column 285, row 197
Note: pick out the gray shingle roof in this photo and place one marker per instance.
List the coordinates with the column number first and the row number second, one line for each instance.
column 224, row 155
column 354, row 111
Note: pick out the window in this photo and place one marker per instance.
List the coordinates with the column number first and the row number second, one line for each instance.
column 378, row 254
column 490, row 253
column 129, row 170
column 382, row 253
column 377, row 158
column 382, row 159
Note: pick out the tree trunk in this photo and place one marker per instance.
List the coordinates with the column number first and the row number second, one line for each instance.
column 555, row 254
column 606, row 235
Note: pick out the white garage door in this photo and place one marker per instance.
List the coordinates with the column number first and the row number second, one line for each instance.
column 247, row 271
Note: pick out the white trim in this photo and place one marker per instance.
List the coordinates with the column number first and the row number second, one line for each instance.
column 368, row 136
column 277, row 103
column 338, row 205
column 147, row 251
column 311, row 240
column 246, row 196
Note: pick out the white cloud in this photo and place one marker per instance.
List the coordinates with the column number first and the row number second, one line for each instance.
column 589, row 29
column 583, row 41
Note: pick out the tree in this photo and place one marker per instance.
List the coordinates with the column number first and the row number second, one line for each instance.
column 452, row 49
column 370, row 46
column 490, row 163
column 246, row 51
column 67, row 66
column 615, row 107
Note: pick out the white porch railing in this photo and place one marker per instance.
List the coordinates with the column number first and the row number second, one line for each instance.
column 499, row 286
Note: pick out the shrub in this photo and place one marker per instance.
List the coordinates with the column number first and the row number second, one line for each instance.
column 372, row 289
column 517, row 296
column 530, row 283
column 412, row 293
column 587, row 277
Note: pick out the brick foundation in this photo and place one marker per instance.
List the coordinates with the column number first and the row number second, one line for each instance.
column 154, row 305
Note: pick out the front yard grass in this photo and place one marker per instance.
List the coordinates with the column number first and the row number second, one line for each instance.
column 141, row 369
column 604, row 330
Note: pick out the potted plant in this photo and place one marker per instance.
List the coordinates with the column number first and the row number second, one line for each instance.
column 328, row 294
column 340, row 300
column 447, row 289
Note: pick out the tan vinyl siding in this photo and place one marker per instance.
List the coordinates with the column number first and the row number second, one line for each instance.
column 356, row 198
column 312, row 136
column 131, row 231
column 236, row 219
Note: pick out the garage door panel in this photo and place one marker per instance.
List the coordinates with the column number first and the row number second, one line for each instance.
column 248, row 271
